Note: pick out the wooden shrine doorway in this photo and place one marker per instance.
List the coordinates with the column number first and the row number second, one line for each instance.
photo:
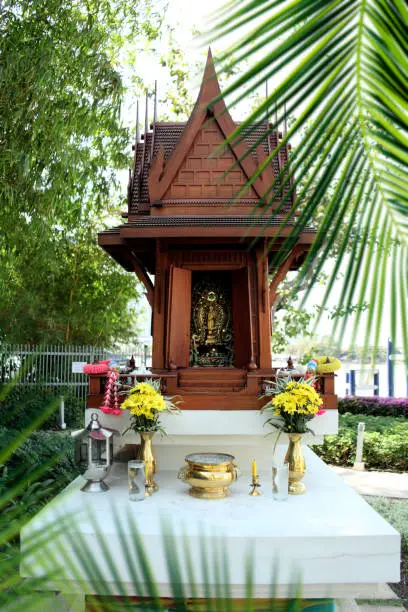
column 209, row 319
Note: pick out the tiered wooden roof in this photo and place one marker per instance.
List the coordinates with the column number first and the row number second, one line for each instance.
column 185, row 183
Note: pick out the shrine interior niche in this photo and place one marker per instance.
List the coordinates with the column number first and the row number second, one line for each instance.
column 198, row 238
column 211, row 332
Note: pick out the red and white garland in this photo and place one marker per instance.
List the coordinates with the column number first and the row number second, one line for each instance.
column 111, row 404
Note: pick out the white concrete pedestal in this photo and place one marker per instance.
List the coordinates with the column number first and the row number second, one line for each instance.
column 329, row 538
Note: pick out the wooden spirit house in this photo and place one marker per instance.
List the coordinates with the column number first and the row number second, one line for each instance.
column 191, row 226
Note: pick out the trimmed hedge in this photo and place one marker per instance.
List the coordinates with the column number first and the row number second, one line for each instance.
column 51, row 452
column 22, row 405
column 385, row 443
column 38, row 469
column 377, row 406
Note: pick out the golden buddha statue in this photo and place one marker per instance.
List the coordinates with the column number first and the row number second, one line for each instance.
column 211, row 316
column 211, row 323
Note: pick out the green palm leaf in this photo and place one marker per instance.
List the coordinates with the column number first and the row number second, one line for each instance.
column 342, row 68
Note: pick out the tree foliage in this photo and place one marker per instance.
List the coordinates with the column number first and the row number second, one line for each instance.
column 64, row 288
column 62, row 142
column 343, row 65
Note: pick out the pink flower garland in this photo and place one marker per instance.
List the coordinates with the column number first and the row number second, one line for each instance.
column 111, row 397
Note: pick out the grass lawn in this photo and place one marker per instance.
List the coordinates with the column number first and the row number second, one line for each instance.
column 395, row 511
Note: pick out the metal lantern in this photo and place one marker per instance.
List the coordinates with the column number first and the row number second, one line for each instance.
column 100, row 453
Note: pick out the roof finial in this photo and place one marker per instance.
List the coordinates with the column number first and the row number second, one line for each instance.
column 137, row 122
column 285, row 121
column 267, row 116
column 155, row 103
column 210, row 88
column 154, row 119
column 146, row 114
column 277, row 135
column 266, row 99
column 145, row 136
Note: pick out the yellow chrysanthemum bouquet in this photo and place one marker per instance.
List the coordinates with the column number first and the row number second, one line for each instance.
column 294, row 403
column 145, row 404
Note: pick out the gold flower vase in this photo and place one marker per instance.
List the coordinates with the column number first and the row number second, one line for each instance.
column 297, row 465
column 146, row 454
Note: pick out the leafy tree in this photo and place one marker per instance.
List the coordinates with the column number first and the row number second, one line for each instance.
column 177, row 99
column 64, row 288
column 62, row 142
column 343, row 66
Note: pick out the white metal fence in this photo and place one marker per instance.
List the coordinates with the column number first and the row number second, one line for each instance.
column 61, row 365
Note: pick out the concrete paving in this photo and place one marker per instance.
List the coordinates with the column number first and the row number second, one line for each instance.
column 384, row 484
column 351, row 605
column 397, row 607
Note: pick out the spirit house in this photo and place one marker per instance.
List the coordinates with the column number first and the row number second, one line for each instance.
column 191, row 226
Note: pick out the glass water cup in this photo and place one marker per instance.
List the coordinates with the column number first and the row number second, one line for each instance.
column 137, row 480
column 280, row 481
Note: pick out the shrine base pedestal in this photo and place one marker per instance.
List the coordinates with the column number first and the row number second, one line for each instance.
column 329, row 539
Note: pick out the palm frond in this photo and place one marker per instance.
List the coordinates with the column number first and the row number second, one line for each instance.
column 343, row 72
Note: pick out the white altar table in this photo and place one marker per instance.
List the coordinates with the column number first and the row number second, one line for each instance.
column 329, row 538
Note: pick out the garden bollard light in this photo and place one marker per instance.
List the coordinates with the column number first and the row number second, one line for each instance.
column 63, row 424
column 359, row 463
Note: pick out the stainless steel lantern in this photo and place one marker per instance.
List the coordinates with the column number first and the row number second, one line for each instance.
column 100, row 453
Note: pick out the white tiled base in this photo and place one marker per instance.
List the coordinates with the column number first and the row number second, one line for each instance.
column 326, row 538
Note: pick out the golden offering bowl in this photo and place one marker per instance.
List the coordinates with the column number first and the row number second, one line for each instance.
column 209, row 474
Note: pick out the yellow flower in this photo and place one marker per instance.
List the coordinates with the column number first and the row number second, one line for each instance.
column 144, row 387
column 144, row 401
column 297, row 397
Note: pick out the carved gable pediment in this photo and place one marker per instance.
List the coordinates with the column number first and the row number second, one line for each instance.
column 208, row 171
column 209, row 126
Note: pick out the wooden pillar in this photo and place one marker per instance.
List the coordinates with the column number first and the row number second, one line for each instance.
column 159, row 306
column 263, row 312
column 253, row 312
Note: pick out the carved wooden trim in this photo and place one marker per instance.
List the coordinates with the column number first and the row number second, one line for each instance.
column 282, row 271
column 161, row 176
column 156, row 167
column 252, row 288
column 214, row 399
column 144, row 278
column 235, row 259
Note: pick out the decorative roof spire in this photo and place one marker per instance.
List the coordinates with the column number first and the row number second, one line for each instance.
column 145, row 134
column 210, row 87
column 146, row 114
column 137, row 122
column 154, row 119
column 209, row 101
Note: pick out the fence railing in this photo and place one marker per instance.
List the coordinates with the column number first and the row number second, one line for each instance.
column 61, row 365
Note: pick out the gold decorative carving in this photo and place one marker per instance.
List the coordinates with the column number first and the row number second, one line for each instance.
column 211, row 320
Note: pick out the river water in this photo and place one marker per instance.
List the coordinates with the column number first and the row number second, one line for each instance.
column 364, row 378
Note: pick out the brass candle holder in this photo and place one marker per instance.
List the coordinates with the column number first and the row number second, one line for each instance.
column 255, row 486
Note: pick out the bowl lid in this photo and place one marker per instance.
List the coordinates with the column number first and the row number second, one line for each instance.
column 209, row 458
